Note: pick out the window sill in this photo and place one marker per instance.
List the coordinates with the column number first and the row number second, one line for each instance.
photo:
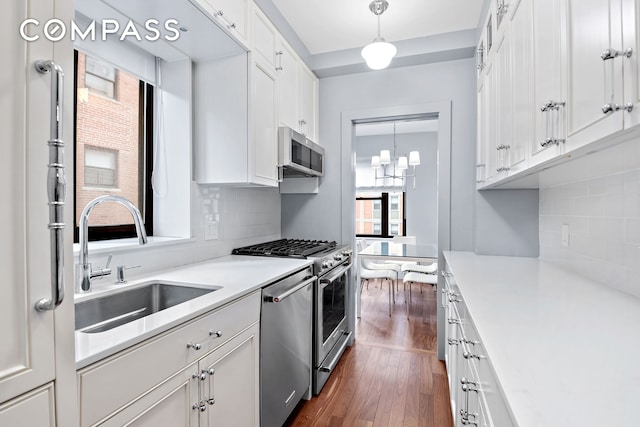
column 130, row 244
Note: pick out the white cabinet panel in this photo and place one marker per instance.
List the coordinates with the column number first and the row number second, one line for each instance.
column 504, row 105
column 169, row 404
column 592, row 27
column 231, row 389
column 264, row 37
column 27, row 336
column 35, row 408
column 232, row 15
column 264, row 155
column 520, row 31
column 549, row 79
column 631, row 40
column 309, row 103
column 288, row 87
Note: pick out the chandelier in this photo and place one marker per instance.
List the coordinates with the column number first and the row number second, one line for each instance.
column 395, row 168
column 378, row 54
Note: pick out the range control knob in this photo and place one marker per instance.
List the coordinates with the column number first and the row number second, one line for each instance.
column 325, row 264
column 338, row 257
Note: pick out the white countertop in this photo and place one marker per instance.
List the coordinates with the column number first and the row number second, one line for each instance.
column 237, row 275
column 564, row 348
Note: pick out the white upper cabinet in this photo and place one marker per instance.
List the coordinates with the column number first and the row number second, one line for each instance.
column 520, row 30
column 550, row 108
column 265, row 37
column 594, row 84
column 288, row 86
column 231, row 14
column 631, row 40
column 565, row 75
column 309, row 103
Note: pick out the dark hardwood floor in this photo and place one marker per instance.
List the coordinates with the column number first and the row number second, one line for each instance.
column 391, row 376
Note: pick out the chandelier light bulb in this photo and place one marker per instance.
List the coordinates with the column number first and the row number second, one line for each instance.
column 375, row 161
column 402, row 163
column 385, row 157
column 414, row 158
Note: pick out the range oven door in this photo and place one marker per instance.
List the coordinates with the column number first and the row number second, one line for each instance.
column 331, row 331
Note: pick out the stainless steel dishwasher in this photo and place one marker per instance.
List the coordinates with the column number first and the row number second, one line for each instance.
column 285, row 346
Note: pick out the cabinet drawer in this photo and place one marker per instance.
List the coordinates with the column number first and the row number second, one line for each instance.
column 108, row 385
column 498, row 413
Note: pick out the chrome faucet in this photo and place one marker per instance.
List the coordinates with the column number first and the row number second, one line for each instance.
column 84, row 272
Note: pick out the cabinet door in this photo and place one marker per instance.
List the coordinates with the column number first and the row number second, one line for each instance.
column 288, row 96
column 264, row 37
column 173, row 403
column 592, row 27
column 264, row 150
column 504, row 104
column 481, row 142
column 231, row 390
column 631, row 36
column 27, row 336
column 309, row 103
column 521, row 33
column 233, row 14
column 549, row 78
column 32, row 409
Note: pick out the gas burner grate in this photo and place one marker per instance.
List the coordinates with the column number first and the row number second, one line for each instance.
column 290, row 248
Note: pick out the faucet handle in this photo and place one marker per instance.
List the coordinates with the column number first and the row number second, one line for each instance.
column 100, row 272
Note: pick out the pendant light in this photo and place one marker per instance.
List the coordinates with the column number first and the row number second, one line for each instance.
column 378, row 54
column 397, row 165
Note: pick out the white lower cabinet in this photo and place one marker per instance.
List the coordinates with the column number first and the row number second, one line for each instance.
column 165, row 382
column 35, row 408
column 476, row 396
column 229, row 383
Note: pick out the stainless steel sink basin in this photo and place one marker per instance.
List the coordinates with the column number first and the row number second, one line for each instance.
column 103, row 313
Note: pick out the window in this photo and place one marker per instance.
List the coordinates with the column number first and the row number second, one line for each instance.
column 113, row 146
column 380, row 214
column 100, row 167
column 100, row 76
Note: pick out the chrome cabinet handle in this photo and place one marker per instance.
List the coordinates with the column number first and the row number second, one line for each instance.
column 195, row 346
column 211, row 400
column 216, row 334
column 609, row 108
column 453, row 321
column 613, row 53
column 56, row 185
column 199, row 406
column 552, row 105
column 446, row 273
column 279, row 55
column 464, row 380
column 468, row 355
column 551, row 141
column 453, row 341
column 470, row 387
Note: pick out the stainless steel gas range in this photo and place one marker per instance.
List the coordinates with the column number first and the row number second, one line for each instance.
column 331, row 266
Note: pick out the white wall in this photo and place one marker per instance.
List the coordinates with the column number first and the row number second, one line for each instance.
column 598, row 197
column 421, row 202
column 454, row 81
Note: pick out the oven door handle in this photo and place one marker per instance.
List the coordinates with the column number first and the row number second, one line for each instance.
column 335, row 276
column 288, row 292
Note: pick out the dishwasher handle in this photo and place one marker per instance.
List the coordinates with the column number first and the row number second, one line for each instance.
column 288, row 292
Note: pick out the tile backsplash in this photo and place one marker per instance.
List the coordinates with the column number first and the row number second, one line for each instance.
column 599, row 201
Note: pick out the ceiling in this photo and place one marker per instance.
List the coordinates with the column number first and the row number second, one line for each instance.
column 332, row 25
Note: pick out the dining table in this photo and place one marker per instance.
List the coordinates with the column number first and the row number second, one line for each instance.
column 394, row 251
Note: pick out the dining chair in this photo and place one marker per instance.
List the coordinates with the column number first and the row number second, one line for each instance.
column 385, row 266
column 369, row 274
column 420, row 278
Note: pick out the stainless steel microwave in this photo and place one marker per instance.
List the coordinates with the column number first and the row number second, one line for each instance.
column 298, row 156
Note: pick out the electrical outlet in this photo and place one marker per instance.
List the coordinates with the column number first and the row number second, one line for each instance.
column 210, row 228
column 565, row 235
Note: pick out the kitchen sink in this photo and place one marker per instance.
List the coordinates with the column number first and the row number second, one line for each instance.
column 103, row 313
